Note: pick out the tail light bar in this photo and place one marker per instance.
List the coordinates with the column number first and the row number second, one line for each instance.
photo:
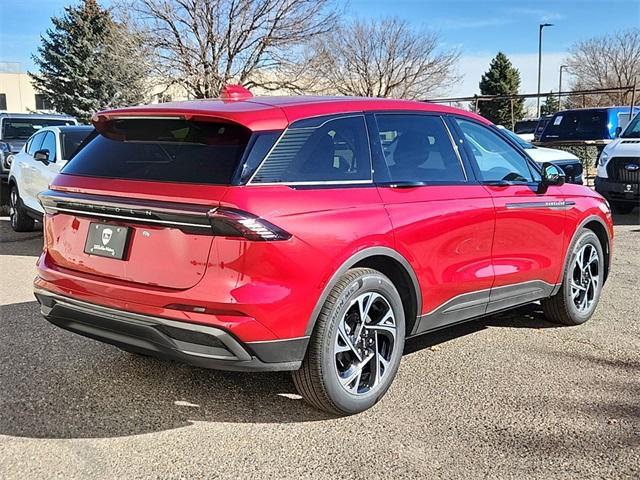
column 194, row 219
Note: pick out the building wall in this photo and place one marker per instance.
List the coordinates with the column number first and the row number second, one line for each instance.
column 20, row 94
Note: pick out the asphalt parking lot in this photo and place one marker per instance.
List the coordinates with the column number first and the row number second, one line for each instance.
column 510, row 396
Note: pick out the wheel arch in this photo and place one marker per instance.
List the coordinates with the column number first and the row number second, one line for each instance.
column 599, row 228
column 388, row 262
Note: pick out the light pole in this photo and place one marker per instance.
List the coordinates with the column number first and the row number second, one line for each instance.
column 560, row 86
column 541, row 26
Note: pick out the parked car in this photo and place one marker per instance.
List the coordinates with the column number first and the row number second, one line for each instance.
column 35, row 166
column 618, row 175
column 570, row 164
column 309, row 234
column 542, row 123
column 597, row 126
column 525, row 128
column 15, row 129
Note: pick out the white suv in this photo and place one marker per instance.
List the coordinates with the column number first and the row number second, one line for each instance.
column 618, row 177
column 33, row 169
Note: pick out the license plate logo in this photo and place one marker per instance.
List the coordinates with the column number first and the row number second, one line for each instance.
column 106, row 240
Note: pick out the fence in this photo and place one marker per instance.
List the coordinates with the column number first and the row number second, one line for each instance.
column 588, row 153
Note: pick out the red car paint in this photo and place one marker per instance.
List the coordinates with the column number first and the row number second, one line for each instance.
column 457, row 239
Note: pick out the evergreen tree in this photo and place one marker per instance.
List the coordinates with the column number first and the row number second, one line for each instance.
column 502, row 78
column 551, row 105
column 88, row 62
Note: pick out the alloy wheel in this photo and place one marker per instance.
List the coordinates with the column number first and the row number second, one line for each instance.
column 13, row 205
column 585, row 278
column 365, row 343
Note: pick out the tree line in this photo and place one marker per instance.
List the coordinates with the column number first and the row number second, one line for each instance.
column 94, row 57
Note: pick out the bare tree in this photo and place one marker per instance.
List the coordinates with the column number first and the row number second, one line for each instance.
column 201, row 45
column 377, row 58
column 608, row 61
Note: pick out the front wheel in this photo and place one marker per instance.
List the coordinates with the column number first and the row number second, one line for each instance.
column 356, row 346
column 20, row 221
column 580, row 291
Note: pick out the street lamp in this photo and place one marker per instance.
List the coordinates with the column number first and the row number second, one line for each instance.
column 542, row 25
column 560, row 86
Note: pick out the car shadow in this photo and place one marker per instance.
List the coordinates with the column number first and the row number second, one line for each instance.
column 56, row 384
column 632, row 218
column 60, row 385
column 22, row 244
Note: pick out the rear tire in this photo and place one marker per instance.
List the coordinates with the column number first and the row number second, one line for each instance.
column 20, row 220
column 622, row 208
column 351, row 361
column 581, row 286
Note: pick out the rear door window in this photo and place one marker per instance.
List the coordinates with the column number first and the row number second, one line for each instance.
column 334, row 150
column 163, row 150
column 418, row 148
column 71, row 140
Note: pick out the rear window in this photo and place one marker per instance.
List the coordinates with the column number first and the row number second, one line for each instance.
column 577, row 125
column 23, row 128
column 71, row 140
column 164, row 151
column 525, row 126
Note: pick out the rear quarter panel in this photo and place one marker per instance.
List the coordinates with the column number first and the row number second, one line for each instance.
column 279, row 283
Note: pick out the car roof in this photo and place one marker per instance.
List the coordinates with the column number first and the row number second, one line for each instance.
column 73, row 128
column 64, row 128
column 585, row 109
column 55, row 116
column 274, row 113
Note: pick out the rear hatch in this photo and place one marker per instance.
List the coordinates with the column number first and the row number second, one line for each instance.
column 134, row 202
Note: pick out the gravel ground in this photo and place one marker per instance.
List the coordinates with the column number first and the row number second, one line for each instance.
column 510, row 396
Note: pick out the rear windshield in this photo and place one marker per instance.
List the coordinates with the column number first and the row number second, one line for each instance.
column 525, row 126
column 164, row 151
column 71, row 140
column 23, row 128
column 577, row 125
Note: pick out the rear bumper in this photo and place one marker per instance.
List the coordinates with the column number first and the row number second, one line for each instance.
column 194, row 344
column 617, row 191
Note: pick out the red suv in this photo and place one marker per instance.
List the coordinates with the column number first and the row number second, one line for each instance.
column 309, row 234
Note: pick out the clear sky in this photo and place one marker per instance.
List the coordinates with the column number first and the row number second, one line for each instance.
column 478, row 28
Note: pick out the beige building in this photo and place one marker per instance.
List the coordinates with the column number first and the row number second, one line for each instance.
column 17, row 93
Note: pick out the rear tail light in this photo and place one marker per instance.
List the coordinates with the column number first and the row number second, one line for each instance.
column 235, row 223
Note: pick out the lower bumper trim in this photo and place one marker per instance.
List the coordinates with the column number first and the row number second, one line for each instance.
column 197, row 345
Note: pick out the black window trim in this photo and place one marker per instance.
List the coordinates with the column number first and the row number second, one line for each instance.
column 319, row 183
column 55, row 142
column 531, row 164
column 381, row 165
column 32, row 138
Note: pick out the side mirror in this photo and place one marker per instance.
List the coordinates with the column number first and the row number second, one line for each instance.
column 551, row 175
column 42, row 156
column 618, row 131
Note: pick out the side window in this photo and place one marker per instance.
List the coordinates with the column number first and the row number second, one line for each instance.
column 336, row 150
column 418, row 148
column 49, row 143
column 496, row 158
column 35, row 142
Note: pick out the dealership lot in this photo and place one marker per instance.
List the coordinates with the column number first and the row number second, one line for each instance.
column 510, row 396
